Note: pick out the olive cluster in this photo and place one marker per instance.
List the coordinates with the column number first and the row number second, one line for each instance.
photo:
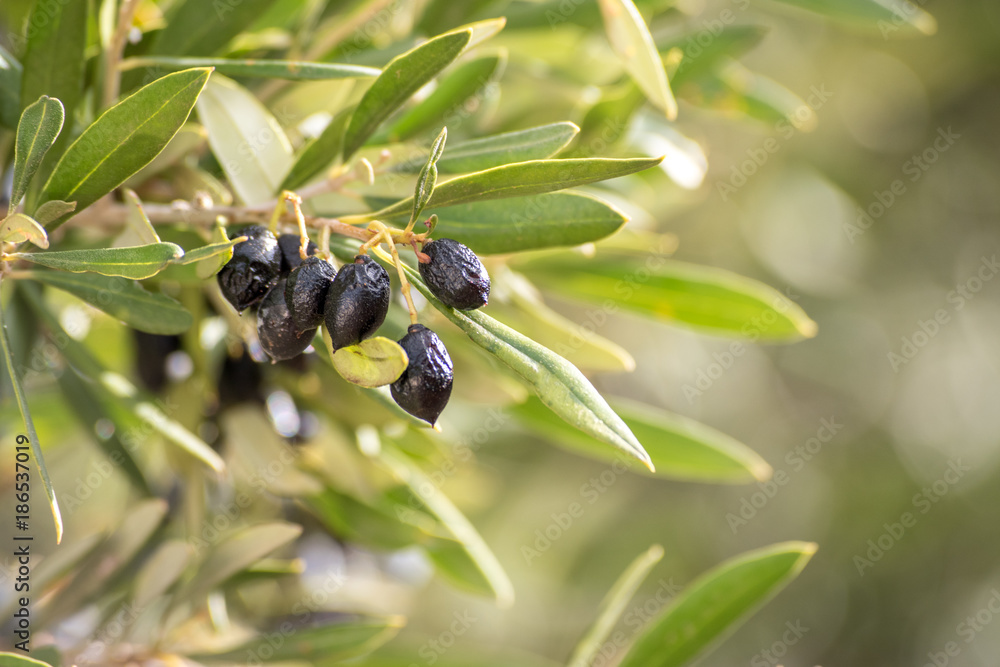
column 295, row 296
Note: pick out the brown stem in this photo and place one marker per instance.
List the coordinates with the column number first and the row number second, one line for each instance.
column 112, row 75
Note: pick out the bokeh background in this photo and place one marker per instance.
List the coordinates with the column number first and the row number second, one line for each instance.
column 903, row 130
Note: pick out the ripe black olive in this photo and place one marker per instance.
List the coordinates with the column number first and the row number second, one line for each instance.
column 253, row 270
column 306, row 289
column 278, row 335
column 425, row 386
column 455, row 275
column 290, row 257
column 357, row 302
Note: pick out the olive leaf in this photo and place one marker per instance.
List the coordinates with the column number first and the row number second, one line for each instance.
column 136, row 262
column 400, row 79
column 18, row 228
column 535, row 143
column 124, row 139
column 199, row 28
column 613, row 606
column 374, row 362
column 427, row 178
column 631, row 40
column 161, row 571
column 29, row 426
column 294, row 70
column 138, row 220
column 123, row 299
column 521, row 179
column 53, row 210
column 873, row 13
column 40, row 125
column 717, row 603
column 247, row 140
column 20, row 660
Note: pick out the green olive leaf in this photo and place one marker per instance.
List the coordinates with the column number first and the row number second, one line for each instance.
column 293, row 70
column 19, row 660
column 717, row 603
column 136, row 262
column 400, row 79
column 18, row 228
column 427, row 178
column 10, row 90
column 38, row 129
column 318, row 153
column 53, row 210
column 124, row 139
column 374, row 362
column 199, row 28
column 631, row 40
column 138, row 220
column 885, row 14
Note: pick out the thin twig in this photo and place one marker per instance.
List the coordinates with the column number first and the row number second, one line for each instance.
column 112, row 75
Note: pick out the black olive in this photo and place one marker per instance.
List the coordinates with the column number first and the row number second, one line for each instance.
column 253, row 270
column 425, row 386
column 455, row 275
column 306, row 289
column 278, row 335
column 290, row 257
column 357, row 302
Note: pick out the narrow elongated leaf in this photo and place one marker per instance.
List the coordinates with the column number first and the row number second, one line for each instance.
column 427, row 178
column 886, row 15
column 212, row 250
column 54, row 59
column 119, row 388
column 294, row 70
column 489, row 568
column 717, row 603
column 680, row 448
column 137, row 219
column 161, row 571
column 522, row 179
column 38, row 129
column 697, row 59
column 18, row 228
column 53, row 210
column 536, row 143
column 318, row 153
column 237, row 553
column 324, row 645
column 123, row 299
column 374, row 362
column 29, row 426
column 529, row 223
column 706, row 298
column 124, row 139
column 199, row 28
column 558, row 383
column 613, row 606
column 20, row 660
column 215, row 256
column 247, row 140
column 10, row 90
column 137, row 262
column 471, row 79
column 400, row 79
column 377, row 525
column 631, row 40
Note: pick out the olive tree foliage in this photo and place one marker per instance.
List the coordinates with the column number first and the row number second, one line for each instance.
column 137, row 140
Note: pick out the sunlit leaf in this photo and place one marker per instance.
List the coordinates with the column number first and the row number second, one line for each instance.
column 38, row 129
column 29, row 426
column 247, row 140
column 124, row 139
column 706, row 298
column 20, row 660
column 18, row 228
column 268, row 69
column 886, row 15
column 717, row 603
column 374, row 362
column 123, row 299
column 400, row 79
column 536, row 143
column 613, row 606
column 137, row 262
column 138, row 220
column 631, row 40
column 161, row 571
